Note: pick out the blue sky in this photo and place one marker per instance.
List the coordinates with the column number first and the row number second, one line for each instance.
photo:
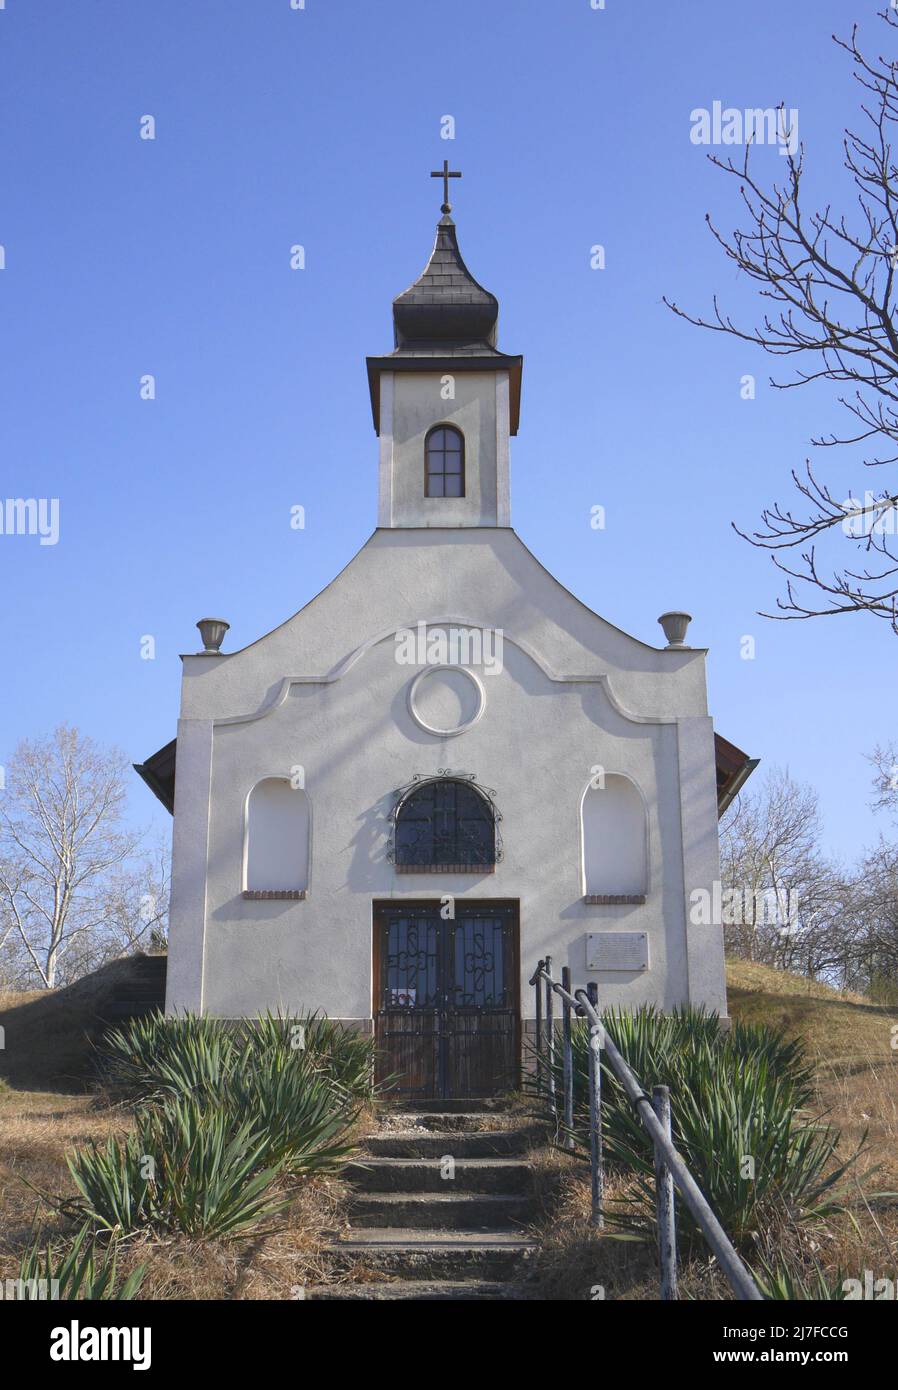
column 277, row 126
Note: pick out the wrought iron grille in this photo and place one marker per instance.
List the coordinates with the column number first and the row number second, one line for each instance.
column 448, row 1016
column 412, row 963
column 480, row 944
column 445, row 823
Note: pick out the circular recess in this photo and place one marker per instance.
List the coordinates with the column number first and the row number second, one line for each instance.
column 446, row 700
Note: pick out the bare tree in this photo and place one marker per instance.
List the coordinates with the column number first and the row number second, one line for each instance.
column 789, row 906
column 69, row 885
column 832, row 281
column 885, row 781
column 876, row 965
column 876, row 902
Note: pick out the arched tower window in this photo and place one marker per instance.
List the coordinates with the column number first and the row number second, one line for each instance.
column 444, row 462
column 445, row 825
column 615, row 853
column 277, row 840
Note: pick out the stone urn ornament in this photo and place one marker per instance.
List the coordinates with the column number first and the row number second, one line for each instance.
column 675, row 624
column 212, row 631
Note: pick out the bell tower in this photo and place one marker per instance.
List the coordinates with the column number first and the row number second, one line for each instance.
column 446, row 400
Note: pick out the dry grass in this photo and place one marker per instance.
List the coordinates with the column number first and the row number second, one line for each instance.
column 577, row 1263
column 849, row 1040
column 36, row 1129
column 48, row 1040
column 837, row 1028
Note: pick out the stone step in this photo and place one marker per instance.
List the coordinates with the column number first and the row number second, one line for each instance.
column 420, row 1290
column 477, row 1120
column 488, row 1105
column 417, row 1253
column 427, row 1144
column 440, row 1210
column 501, row 1175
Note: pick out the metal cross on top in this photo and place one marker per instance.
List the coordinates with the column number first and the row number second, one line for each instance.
column 446, row 174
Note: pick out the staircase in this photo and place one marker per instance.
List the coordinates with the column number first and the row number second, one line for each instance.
column 439, row 1209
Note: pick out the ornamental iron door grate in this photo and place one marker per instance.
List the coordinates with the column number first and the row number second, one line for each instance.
column 447, row 1017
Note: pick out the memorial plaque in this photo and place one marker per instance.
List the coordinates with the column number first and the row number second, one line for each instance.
column 617, row 950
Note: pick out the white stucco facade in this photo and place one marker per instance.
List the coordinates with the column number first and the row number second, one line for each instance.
column 325, row 693
column 324, row 701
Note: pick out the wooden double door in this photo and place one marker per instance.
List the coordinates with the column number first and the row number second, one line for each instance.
column 446, row 997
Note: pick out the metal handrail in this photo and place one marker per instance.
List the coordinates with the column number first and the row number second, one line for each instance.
column 653, row 1114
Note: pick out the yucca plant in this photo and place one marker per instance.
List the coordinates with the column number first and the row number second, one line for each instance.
column 347, row 1056
column 113, row 1183
column 344, row 1056
column 213, row 1175
column 225, row 1110
column 155, row 1056
column 752, row 1153
column 737, row 1109
column 781, row 1280
column 189, row 1167
column 301, row 1112
column 86, row 1270
column 786, row 1058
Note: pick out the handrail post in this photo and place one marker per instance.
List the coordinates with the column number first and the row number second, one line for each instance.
column 550, row 1036
column 664, row 1200
column 596, row 1156
column 584, row 1003
column 538, row 984
column 568, row 1060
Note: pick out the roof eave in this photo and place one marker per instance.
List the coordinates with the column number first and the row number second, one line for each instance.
column 159, row 774
column 514, row 365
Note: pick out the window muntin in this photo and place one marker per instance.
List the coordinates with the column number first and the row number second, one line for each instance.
column 444, row 462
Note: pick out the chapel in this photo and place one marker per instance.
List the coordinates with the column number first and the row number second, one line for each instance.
column 445, row 766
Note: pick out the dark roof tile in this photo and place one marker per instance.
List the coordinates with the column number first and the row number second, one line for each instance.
column 446, row 308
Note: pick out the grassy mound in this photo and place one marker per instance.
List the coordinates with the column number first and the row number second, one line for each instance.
column 834, row 1027
column 49, row 1033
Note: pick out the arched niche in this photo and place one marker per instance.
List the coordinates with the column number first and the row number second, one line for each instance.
column 614, row 839
column 278, row 826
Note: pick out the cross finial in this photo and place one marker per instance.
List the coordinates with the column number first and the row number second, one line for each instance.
column 445, row 174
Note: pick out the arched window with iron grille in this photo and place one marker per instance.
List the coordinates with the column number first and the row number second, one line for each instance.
column 445, row 825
